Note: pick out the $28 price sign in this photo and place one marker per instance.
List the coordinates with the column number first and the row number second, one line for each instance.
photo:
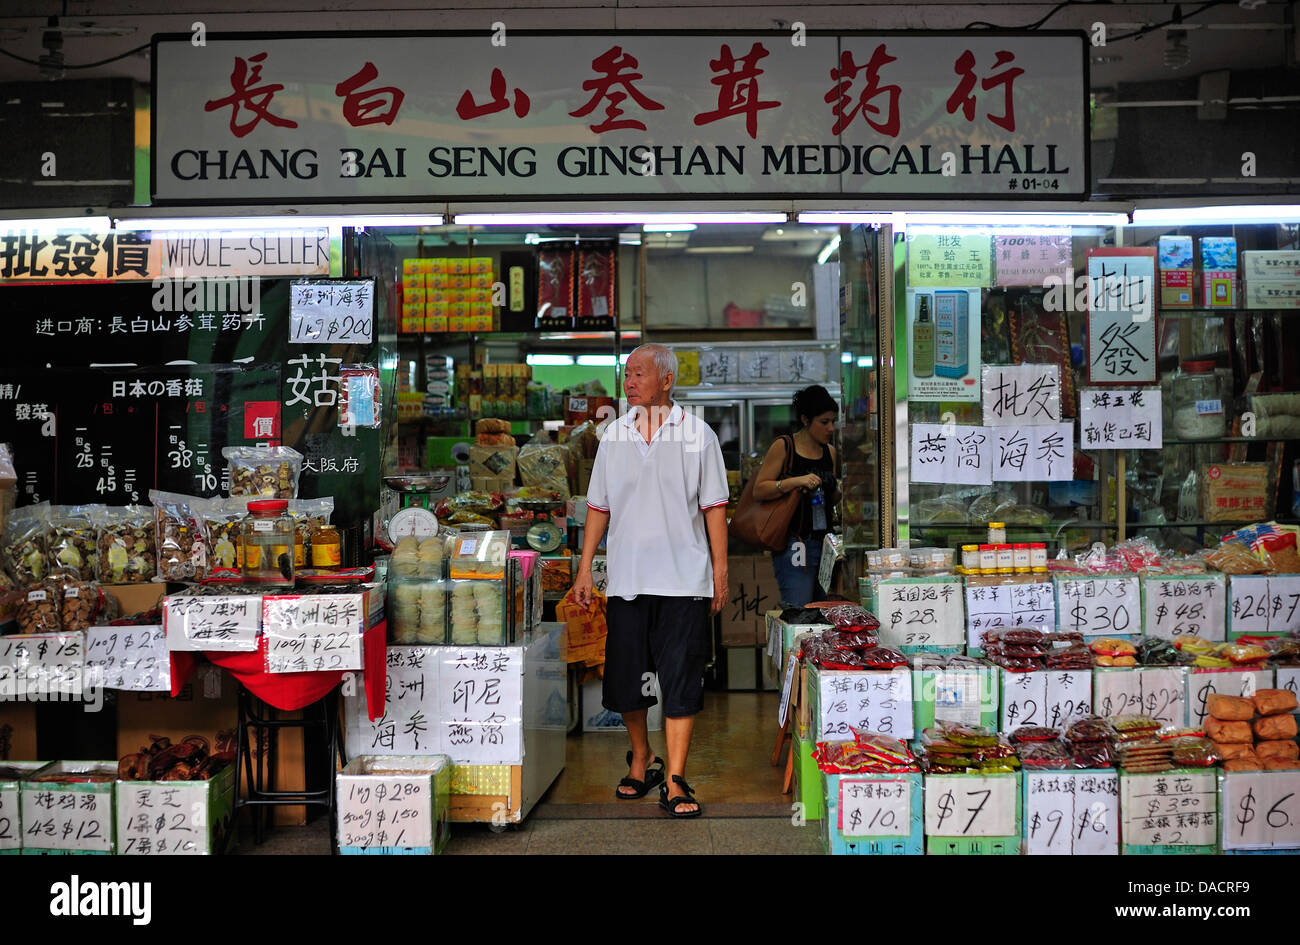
column 969, row 805
column 1261, row 810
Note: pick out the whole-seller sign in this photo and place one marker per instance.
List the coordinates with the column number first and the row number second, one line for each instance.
column 390, row 116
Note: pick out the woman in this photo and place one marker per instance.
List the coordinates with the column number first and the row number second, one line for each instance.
column 813, row 471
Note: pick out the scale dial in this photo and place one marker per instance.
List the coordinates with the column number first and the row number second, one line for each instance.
column 412, row 521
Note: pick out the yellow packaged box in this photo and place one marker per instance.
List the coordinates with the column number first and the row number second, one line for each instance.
column 481, row 310
column 481, row 280
column 1235, row 492
column 428, row 265
column 459, row 282
column 480, row 296
column 411, row 266
column 413, row 295
column 458, row 266
column 435, row 266
column 481, row 323
column 437, row 296
column 479, row 264
column 435, row 317
column 437, row 280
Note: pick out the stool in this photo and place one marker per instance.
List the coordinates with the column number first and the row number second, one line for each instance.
column 264, row 723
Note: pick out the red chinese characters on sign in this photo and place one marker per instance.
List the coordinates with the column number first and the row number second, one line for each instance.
column 368, row 106
column 611, row 64
column 262, row 420
column 844, row 77
column 467, row 108
column 737, row 82
column 250, row 96
column 963, row 96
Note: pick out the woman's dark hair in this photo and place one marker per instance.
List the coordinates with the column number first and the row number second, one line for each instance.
column 812, row 402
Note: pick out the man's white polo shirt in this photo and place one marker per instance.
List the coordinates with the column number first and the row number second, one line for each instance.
column 656, row 494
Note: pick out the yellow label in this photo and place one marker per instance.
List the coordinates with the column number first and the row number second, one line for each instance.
column 326, row 556
column 688, row 368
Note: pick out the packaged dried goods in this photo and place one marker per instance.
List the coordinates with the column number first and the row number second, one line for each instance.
column 1232, row 557
column 40, row 607
column 1131, row 727
column 80, row 604
column 125, row 541
column 1274, row 701
column 24, row 543
column 1110, row 646
column 1280, row 764
column 70, row 545
column 1034, row 733
column 1272, row 727
column 405, row 560
column 180, row 537
column 268, row 472
column 222, row 520
column 1285, row 749
column 545, row 463
column 1222, row 731
column 851, row 615
column 1090, row 729
column 1239, row 653
column 1244, row 764
column 1194, row 752
column 1229, row 708
column 1052, row 754
column 1231, row 750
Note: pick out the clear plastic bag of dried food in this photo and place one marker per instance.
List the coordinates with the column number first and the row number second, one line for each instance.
column 39, row 608
column 222, row 520
column 81, row 603
column 23, row 545
column 180, row 536
column 545, row 463
column 124, row 542
column 70, row 541
column 851, row 615
column 270, row 472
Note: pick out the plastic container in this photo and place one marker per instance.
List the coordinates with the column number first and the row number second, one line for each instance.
column 477, row 615
column 266, row 540
column 1038, row 556
column 1022, row 558
column 970, row 559
column 1006, row 558
column 988, row 559
column 1198, row 407
column 997, row 533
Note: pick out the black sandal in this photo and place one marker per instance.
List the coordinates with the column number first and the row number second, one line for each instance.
column 671, row 804
column 654, row 774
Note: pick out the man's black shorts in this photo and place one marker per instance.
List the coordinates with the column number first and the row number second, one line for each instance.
column 651, row 634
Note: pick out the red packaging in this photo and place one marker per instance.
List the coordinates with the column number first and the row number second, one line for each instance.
column 555, row 289
column 596, row 300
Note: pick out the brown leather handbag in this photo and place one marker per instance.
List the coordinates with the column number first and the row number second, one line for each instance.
column 765, row 524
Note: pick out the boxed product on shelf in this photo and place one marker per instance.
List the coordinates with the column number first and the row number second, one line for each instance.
column 1279, row 294
column 493, row 462
column 12, row 775
column 394, row 804
column 1177, row 268
column 436, row 317
column 67, row 807
column 1270, row 265
column 1235, row 492
column 1218, row 271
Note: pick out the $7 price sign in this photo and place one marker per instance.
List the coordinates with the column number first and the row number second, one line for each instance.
column 1261, row 809
column 965, row 805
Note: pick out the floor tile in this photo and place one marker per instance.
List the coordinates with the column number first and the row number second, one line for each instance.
column 764, row 837
column 627, row 837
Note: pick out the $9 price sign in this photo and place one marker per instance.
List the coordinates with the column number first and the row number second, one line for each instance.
column 1069, row 812
column 967, row 805
column 1261, row 810
column 875, row 808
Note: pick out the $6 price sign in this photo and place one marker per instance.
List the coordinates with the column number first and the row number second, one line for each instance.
column 1262, row 810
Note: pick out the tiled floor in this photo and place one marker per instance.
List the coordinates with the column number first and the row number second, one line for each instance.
column 745, row 811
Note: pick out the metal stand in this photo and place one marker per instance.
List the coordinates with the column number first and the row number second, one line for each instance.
column 265, row 724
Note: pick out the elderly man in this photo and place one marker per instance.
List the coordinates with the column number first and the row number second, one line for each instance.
column 660, row 487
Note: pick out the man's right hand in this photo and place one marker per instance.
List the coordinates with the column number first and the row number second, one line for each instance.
column 583, row 587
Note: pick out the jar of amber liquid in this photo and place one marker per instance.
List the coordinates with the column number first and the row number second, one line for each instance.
column 326, row 547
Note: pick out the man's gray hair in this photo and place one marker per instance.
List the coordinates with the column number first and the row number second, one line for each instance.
column 664, row 359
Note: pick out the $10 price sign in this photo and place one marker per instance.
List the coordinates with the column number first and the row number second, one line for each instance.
column 1261, row 810
column 970, row 805
column 875, row 808
column 1069, row 812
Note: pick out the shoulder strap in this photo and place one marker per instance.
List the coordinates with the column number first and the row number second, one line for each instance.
column 787, row 467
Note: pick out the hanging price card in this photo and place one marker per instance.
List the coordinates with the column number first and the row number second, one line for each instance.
column 312, row 633
column 1158, row 692
column 921, row 612
column 871, row 808
column 332, row 312
column 1055, row 698
column 1071, row 812
column 133, row 657
column 1227, row 682
column 1261, row 810
column 227, row 623
column 876, row 701
column 1184, row 606
column 1000, row 606
column 967, row 805
column 409, row 725
column 1264, row 604
column 1174, row 809
column 1099, row 606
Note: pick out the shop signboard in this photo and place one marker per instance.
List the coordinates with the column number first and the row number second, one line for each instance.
column 1121, row 346
column 395, row 116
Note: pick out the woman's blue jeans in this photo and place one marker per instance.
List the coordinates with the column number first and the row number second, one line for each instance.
column 798, row 582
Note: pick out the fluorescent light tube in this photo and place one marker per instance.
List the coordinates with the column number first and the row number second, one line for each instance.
column 1191, row 216
column 828, row 249
column 597, row 218
column 90, row 224
column 597, row 360
column 550, row 360
column 207, row 224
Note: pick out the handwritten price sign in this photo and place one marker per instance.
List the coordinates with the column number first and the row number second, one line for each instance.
column 865, row 701
column 227, row 623
column 68, row 817
column 871, row 808
column 386, row 811
column 1175, row 809
column 918, row 612
column 1261, row 810
column 966, row 805
column 1160, row 693
column 1072, row 812
column 1184, row 606
column 1055, row 698
column 333, row 312
column 153, row 820
column 1098, row 607
column 1265, row 604
column 1002, row 606
column 134, row 658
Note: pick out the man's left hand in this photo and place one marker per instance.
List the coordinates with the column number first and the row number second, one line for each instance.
column 721, row 592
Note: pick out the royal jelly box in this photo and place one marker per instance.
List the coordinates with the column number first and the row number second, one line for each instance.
column 1274, row 293
column 413, row 294
column 1177, row 266
column 480, row 280
column 480, row 264
column 1270, row 265
column 1218, row 271
column 437, row 280
column 951, row 331
column 435, row 316
column 411, row 266
column 459, row 282
column 458, row 266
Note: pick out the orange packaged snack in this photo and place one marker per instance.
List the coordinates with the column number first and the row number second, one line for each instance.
column 1242, row 764
column 1280, row 764
column 1279, row 750
column 1274, row 701
column 1230, row 751
column 1275, row 727
column 1222, row 731
column 1230, row 708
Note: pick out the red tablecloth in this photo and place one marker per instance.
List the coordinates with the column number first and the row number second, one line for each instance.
column 292, row 691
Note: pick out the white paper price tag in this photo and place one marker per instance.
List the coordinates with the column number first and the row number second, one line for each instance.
column 1114, row 419
column 968, row 805
column 921, row 612
column 879, row 701
column 10, row 828
column 1003, row 606
column 1071, row 812
column 875, row 808
column 334, row 312
column 154, row 820
column 41, row 665
column 1175, row 809
column 66, row 819
column 1264, row 603
column 480, row 704
column 409, row 725
column 228, row 624
column 1261, row 810
column 1158, row 692
column 134, row 658
column 1226, row 682
column 1055, row 698
column 1184, row 606
column 387, row 811
column 1099, row 606
column 313, row 633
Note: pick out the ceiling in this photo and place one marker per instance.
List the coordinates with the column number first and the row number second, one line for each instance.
column 1249, row 34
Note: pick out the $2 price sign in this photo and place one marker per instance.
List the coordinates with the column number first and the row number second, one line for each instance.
column 967, row 805
column 875, row 808
column 1055, row 698
column 1261, row 810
